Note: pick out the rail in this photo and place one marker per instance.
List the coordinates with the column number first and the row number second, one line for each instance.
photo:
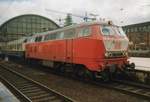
column 28, row 90
column 134, row 88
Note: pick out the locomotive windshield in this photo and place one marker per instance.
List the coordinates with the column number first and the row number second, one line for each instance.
column 112, row 30
column 119, row 31
column 107, row 30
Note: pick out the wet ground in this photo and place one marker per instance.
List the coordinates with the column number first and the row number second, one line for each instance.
column 81, row 92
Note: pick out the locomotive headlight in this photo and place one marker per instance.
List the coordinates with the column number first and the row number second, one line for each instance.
column 106, row 54
column 126, row 53
column 123, row 53
column 110, row 54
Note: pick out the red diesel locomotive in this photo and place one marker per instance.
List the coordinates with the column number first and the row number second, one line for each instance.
column 92, row 47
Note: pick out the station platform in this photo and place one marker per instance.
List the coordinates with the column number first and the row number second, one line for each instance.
column 6, row 95
column 141, row 63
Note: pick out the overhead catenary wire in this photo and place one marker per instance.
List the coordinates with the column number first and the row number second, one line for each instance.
column 85, row 18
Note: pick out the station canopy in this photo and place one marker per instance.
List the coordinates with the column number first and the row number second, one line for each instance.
column 25, row 25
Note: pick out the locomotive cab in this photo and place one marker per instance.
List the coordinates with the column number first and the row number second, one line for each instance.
column 115, row 45
column 115, row 41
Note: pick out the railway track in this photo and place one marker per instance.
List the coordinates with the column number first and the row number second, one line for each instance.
column 27, row 90
column 133, row 88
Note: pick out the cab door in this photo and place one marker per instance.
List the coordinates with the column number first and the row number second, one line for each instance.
column 69, row 50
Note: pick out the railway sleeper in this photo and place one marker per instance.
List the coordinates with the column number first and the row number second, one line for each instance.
column 142, row 91
column 50, row 99
column 24, row 86
column 148, row 93
column 23, row 82
column 31, row 91
column 29, row 88
column 36, row 93
column 138, row 90
column 130, row 88
column 120, row 86
column 39, row 96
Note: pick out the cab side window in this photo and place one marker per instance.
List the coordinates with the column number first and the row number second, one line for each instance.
column 84, row 32
column 69, row 34
column 60, row 35
column 50, row 37
column 54, row 36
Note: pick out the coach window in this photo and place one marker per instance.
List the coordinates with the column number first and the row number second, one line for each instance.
column 25, row 40
column 50, row 37
column 148, row 28
column 33, row 39
column 28, row 40
column 53, row 36
column 61, row 35
column 135, row 29
column 69, row 34
column 84, row 32
column 46, row 37
column 56, row 35
column 37, row 39
column 40, row 39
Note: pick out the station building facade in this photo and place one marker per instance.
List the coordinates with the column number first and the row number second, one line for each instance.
column 25, row 25
column 139, row 37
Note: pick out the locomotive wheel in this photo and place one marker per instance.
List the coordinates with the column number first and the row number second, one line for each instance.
column 105, row 76
column 80, row 73
column 83, row 73
column 57, row 67
column 88, row 75
column 62, row 69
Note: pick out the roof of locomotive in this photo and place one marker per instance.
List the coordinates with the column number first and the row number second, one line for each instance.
column 74, row 26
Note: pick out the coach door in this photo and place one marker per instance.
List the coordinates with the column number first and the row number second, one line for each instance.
column 69, row 50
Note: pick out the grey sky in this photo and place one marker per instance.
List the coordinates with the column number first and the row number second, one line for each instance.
column 122, row 12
